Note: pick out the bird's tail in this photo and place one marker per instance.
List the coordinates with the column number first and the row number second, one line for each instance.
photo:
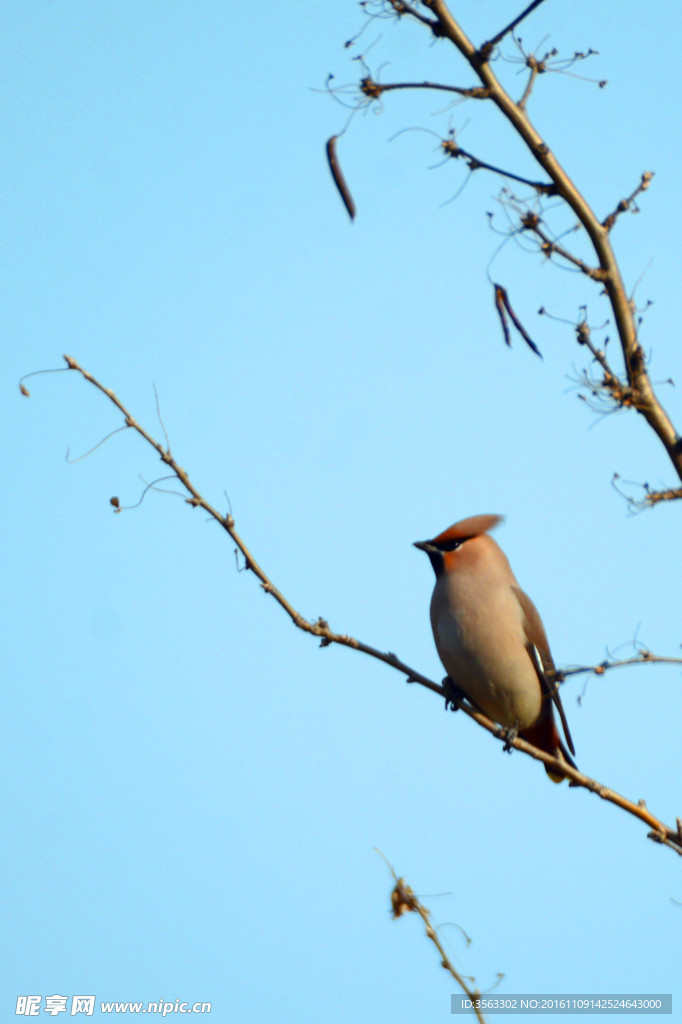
column 546, row 737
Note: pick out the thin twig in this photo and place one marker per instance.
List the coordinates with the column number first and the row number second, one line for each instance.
column 643, row 658
column 610, row 390
column 401, row 7
column 488, row 47
column 450, row 147
column 373, row 90
column 534, row 72
column 79, row 458
column 625, row 204
column 404, row 900
column 650, row 496
column 531, row 222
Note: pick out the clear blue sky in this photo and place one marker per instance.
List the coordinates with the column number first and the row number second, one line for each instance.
column 192, row 789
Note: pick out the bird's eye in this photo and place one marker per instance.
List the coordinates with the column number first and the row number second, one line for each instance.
column 450, row 545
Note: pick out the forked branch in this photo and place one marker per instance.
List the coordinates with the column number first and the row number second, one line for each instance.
column 444, row 25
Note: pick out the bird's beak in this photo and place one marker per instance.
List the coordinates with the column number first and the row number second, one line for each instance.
column 423, row 545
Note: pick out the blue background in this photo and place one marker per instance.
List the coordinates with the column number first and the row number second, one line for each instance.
column 194, row 790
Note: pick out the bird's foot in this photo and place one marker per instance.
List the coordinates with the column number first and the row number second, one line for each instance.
column 510, row 735
column 453, row 694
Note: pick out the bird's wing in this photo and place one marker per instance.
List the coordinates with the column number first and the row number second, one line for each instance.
column 537, row 646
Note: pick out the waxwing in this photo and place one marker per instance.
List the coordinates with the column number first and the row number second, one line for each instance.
column 490, row 637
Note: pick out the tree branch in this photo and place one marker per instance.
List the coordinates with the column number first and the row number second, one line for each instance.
column 645, row 401
column 533, row 223
column 626, row 204
column 373, row 90
column 660, row 832
column 643, row 658
column 450, row 147
column 403, row 901
column 488, row 47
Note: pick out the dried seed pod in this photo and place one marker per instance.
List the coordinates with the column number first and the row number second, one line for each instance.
column 338, row 177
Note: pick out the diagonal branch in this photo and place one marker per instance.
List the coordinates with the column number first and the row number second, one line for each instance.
column 450, row 147
column 403, row 901
column 488, row 47
column 629, row 202
column 647, row 402
column 532, row 222
column 660, row 832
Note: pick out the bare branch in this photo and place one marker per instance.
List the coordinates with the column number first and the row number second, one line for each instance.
column 643, row 658
column 450, row 147
column 668, row 494
column 610, row 391
column 320, row 627
column 403, row 901
column 649, row 497
column 373, row 90
column 488, row 47
column 401, row 8
column 645, row 400
column 533, row 223
column 534, row 68
column 550, row 62
column 626, row 204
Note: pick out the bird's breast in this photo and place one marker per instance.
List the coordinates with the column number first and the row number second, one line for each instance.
column 480, row 639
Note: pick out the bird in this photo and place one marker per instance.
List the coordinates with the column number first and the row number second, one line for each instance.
column 490, row 637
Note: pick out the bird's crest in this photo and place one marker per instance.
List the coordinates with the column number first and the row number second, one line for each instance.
column 474, row 526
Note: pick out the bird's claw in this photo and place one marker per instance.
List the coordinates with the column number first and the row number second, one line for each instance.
column 453, row 694
column 510, row 735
